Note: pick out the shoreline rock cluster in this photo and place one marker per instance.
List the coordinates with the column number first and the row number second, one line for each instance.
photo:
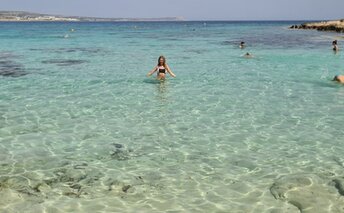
column 335, row 26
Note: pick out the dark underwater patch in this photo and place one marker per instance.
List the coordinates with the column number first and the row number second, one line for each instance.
column 64, row 62
column 9, row 67
column 79, row 49
column 229, row 43
column 7, row 55
column 197, row 51
column 69, row 50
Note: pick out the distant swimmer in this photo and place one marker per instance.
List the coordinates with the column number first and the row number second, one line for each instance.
column 248, row 55
column 242, row 45
column 161, row 69
column 339, row 79
column 72, row 30
column 335, row 46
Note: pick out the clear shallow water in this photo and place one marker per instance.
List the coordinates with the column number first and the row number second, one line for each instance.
column 83, row 130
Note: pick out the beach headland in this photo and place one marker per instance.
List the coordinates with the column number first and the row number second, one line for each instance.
column 335, row 26
column 22, row 16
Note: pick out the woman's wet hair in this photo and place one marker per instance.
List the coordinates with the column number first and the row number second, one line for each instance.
column 335, row 78
column 334, row 42
column 162, row 57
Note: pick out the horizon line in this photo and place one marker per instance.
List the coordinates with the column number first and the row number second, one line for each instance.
column 181, row 18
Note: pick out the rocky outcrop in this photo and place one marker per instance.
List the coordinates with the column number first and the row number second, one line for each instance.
column 336, row 26
column 310, row 193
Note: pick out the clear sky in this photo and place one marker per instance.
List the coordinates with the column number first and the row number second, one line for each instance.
column 189, row 9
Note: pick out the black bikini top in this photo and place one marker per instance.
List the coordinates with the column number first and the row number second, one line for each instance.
column 162, row 69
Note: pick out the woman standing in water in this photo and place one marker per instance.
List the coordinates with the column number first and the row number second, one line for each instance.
column 161, row 68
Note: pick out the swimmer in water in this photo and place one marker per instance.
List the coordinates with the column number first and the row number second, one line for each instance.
column 335, row 46
column 161, row 69
column 339, row 79
column 248, row 55
column 242, row 45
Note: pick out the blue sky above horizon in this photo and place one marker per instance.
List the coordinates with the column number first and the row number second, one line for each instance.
column 189, row 9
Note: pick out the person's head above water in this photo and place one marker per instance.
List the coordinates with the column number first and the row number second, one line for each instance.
column 162, row 61
column 248, row 55
column 339, row 78
column 242, row 44
column 334, row 42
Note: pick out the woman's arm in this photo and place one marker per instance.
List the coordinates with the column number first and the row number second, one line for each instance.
column 152, row 71
column 170, row 71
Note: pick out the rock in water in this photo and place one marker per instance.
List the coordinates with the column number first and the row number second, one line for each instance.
column 308, row 192
column 336, row 26
column 339, row 185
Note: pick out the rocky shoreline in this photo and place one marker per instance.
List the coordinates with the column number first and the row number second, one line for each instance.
column 335, row 26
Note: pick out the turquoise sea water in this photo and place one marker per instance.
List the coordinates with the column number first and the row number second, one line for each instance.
column 82, row 129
